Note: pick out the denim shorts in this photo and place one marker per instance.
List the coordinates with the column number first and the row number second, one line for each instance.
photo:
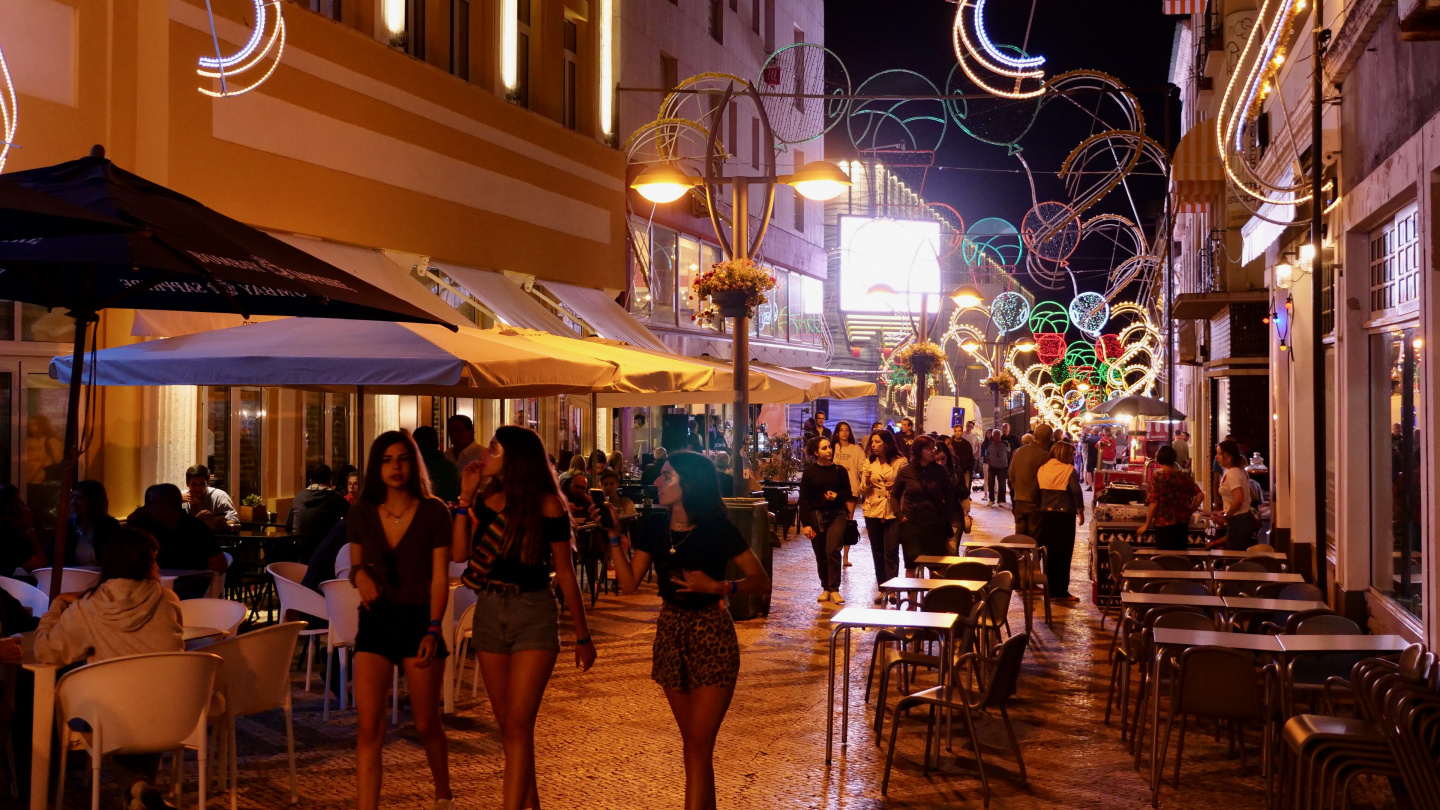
column 510, row 623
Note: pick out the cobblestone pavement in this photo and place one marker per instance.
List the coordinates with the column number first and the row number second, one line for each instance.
column 607, row 740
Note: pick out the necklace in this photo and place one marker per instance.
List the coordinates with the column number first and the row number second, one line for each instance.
column 403, row 513
column 675, row 544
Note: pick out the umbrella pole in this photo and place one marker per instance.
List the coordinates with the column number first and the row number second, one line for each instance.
column 70, row 458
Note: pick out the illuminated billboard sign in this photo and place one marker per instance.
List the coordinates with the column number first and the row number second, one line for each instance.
column 902, row 254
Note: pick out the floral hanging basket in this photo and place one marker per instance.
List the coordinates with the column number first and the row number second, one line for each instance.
column 920, row 357
column 735, row 288
column 1003, row 382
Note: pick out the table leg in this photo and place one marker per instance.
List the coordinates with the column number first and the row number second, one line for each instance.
column 448, row 627
column 1155, row 716
column 43, row 726
column 829, row 699
column 1029, row 592
column 845, row 693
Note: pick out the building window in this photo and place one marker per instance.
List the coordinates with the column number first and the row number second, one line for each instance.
column 807, row 298
column 669, row 72
column 327, row 8
column 799, row 198
column 799, row 88
column 522, row 53
column 732, row 143
column 769, row 320
column 688, row 265
column 717, row 20
column 215, row 438
column 755, row 143
column 1397, row 474
column 460, row 38
column 1395, row 262
column 404, row 22
column 41, row 325
column 663, row 258
column 7, row 450
column 755, row 15
column 572, row 46
column 734, row 5
column 327, row 431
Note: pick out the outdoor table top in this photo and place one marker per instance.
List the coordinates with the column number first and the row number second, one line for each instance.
column 1214, row 552
column 280, row 533
column 1256, row 576
column 1288, row 605
column 1150, row 573
column 1341, row 643
column 1215, row 638
column 1184, row 599
column 192, row 633
column 922, row 584
column 989, row 544
column 907, row 619
column 931, row 559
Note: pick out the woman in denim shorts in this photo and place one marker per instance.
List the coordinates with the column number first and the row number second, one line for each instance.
column 400, row 550
column 514, row 534
column 696, row 653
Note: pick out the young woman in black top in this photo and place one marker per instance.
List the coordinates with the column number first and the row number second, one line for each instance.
column 825, row 504
column 923, row 497
column 514, row 533
column 696, row 653
column 400, row 550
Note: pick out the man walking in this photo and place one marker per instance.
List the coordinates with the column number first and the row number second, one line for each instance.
column 1025, row 480
column 905, row 439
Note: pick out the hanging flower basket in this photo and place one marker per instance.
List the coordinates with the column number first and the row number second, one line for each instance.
column 1003, row 382
column 735, row 288
column 920, row 357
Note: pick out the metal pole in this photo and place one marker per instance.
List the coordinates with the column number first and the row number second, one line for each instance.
column 740, row 246
column 70, row 454
column 1169, row 288
column 1316, row 304
column 921, row 375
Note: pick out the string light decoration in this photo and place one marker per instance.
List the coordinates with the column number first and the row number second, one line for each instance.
column 978, row 55
column 1089, row 312
column 1050, row 347
column 249, row 56
column 992, row 240
column 1051, row 230
column 1049, row 316
column 9, row 111
column 1282, row 319
column 1107, row 348
column 1009, row 311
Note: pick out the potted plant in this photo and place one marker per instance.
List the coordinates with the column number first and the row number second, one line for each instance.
column 252, row 510
column 920, row 357
column 735, row 288
column 1003, row 382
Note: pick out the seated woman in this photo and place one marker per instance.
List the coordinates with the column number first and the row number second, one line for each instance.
column 91, row 526
column 127, row 613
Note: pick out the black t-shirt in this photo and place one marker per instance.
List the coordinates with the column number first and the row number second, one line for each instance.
column 708, row 548
column 189, row 546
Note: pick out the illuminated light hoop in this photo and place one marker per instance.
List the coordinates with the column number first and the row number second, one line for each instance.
column 1050, row 347
column 964, row 46
column 1022, row 64
column 1107, row 347
column 1009, row 311
column 9, row 111
column 1227, row 122
column 222, row 67
column 1089, row 312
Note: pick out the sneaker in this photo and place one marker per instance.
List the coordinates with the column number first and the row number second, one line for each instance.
column 444, row 804
column 824, row 596
column 145, row 796
column 837, row 598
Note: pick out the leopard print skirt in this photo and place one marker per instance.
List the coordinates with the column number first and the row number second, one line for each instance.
column 695, row 648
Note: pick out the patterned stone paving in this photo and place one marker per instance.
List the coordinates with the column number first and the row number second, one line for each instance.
column 607, row 740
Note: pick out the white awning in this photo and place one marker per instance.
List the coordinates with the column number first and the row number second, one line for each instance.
column 605, row 317
column 366, row 264
column 1268, row 224
column 505, row 300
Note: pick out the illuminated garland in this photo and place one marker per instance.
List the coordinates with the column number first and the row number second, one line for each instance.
column 978, row 54
column 9, row 111
column 226, row 67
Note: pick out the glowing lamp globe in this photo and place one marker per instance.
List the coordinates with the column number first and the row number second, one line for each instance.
column 662, row 183
column 1026, row 346
column 819, row 180
column 966, row 297
column 970, row 345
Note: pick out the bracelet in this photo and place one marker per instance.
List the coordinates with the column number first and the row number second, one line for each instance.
column 580, row 641
column 460, row 510
column 434, row 631
column 616, row 540
column 734, row 586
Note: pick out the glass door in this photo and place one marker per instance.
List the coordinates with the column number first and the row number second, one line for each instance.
column 1397, row 471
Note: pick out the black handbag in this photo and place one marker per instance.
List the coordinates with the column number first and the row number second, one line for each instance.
column 852, row 532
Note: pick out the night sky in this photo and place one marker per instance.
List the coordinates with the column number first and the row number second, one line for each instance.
column 1128, row 39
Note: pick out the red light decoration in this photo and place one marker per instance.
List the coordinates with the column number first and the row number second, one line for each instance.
column 1108, row 348
column 1050, row 347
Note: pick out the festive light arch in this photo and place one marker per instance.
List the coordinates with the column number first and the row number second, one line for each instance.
column 9, row 111
column 224, row 67
column 978, row 55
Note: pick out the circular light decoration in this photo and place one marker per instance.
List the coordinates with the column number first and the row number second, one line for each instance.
column 1089, row 312
column 1059, row 372
column 1051, row 230
column 1009, row 311
column 805, row 91
column 1003, row 70
column 226, row 68
column 992, row 241
column 1049, row 316
column 8, row 111
column 1074, row 400
column 1084, row 374
column 1049, row 347
column 1092, row 399
column 1108, row 348
column 1081, row 354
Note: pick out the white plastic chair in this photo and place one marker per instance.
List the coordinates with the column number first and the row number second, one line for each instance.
column 342, row 603
column 139, row 704
column 221, row 614
column 254, row 678
column 72, row 580
column 298, row 598
column 27, row 594
column 464, row 631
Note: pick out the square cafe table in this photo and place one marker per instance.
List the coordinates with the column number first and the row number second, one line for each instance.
column 1027, row 554
column 932, row 561
column 850, row 618
column 1181, row 599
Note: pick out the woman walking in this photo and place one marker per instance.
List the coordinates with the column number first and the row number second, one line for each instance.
column 400, row 554
column 923, row 497
column 696, row 653
column 1234, row 499
column 1174, row 497
column 826, row 503
column 877, row 479
column 514, row 534
column 1062, row 505
column 850, row 456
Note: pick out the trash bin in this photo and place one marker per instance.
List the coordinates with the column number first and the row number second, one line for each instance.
column 752, row 517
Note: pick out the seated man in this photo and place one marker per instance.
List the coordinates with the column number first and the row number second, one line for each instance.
column 652, row 470
column 610, row 482
column 206, row 502
column 186, row 543
column 316, row 509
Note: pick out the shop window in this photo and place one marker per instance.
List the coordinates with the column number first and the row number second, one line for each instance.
column 250, row 441
column 7, row 320
column 663, row 250
column 1395, row 262
column 327, row 430
column 570, row 89
column 46, row 325
column 341, row 429
column 766, row 323
column 1397, row 473
column 688, row 266
column 45, row 408
column 215, row 438
column 640, row 274
column 460, row 38
column 313, row 409
column 807, row 296
column 522, row 53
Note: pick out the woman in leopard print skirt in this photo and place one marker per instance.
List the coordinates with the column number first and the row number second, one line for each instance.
column 696, row 654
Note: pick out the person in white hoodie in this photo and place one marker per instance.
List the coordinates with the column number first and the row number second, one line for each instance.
column 127, row 613
column 850, row 455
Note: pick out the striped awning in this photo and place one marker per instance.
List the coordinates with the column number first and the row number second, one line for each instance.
column 1197, row 173
column 1185, row 6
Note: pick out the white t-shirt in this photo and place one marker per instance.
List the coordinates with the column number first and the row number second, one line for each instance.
column 1235, row 479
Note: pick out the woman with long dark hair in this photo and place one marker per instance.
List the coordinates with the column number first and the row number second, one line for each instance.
column 400, row 552
column 825, row 506
column 91, row 525
column 696, row 652
column 923, row 497
column 850, row 456
column 877, row 478
column 512, row 535
column 1234, row 499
